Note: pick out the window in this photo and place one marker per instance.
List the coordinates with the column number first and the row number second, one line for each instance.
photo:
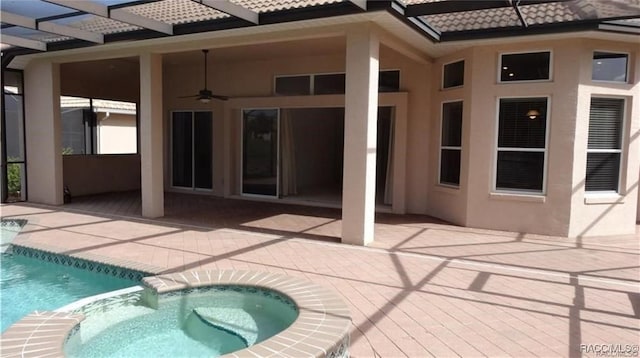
column 522, row 132
column 98, row 126
column 14, row 178
column 604, row 149
column 293, row 85
column 451, row 143
column 531, row 66
column 389, row 81
column 453, row 74
column 329, row 83
column 609, row 67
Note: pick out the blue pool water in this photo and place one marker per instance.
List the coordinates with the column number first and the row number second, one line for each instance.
column 205, row 324
column 28, row 284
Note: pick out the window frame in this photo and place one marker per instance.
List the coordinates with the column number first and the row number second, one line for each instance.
column 390, row 70
column 312, row 90
column 499, row 69
column 4, row 191
column 278, row 152
column 442, row 87
column 545, row 150
column 275, row 78
column 192, row 188
column 628, row 69
column 441, row 147
column 623, row 143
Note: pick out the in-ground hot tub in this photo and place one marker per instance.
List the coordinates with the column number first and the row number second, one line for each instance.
column 212, row 313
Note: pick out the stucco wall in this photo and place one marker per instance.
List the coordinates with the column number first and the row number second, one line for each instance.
column 250, row 77
column 117, row 133
column 447, row 202
column 562, row 209
column 606, row 214
column 94, row 174
column 488, row 208
column 116, row 80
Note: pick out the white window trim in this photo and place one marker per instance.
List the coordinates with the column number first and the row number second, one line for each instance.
column 241, row 142
column 442, row 87
column 620, row 191
column 545, row 150
column 628, row 69
column 192, row 188
column 499, row 71
column 448, row 185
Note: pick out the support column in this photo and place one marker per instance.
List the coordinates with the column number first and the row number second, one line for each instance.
column 43, row 132
column 360, row 126
column 151, row 151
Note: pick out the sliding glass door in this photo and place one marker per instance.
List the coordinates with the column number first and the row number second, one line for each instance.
column 260, row 152
column 191, row 149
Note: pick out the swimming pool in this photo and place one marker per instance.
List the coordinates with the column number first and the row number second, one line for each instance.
column 206, row 322
column 28, row 284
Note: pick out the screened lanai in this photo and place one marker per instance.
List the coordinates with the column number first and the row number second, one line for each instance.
column 126, row 49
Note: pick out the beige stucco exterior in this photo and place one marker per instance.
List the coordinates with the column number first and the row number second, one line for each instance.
column 117, row 133
column 95, row 174
column 244, row 70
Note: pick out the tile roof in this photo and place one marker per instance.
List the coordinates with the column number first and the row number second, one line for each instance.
column 180, row 12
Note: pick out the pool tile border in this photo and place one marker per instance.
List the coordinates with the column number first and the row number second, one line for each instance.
column 146, row 270
column 320, row 330
column 79, row 263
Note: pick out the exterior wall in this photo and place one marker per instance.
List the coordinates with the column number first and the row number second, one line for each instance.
column 250, row 78
column 117, row 81
column 541, row 214
column 94, row 174
column 610, row 214
column 117, row 133
column 446, row 202
column 563, row 209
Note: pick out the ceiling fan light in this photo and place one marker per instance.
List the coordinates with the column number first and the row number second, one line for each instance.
column 204, row 100
column 533, row 114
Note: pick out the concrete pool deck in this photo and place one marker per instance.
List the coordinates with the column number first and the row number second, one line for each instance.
column 423, row 288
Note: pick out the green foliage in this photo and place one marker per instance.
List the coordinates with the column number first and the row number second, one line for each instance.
column 14, row 181
column 67, row 151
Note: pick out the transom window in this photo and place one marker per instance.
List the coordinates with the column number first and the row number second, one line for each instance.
column 453, row 74
column 522, row 144
column 609, row 67
column 451, row 143
column 329, row 83
column 532, row 66
column 604, row 149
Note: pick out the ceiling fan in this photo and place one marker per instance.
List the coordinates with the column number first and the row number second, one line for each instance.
column 205, row 95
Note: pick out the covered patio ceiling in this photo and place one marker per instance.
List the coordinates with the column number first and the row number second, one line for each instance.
column 32, row 26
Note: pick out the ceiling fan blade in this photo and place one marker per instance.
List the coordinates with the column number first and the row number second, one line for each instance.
column 192, row 96
column 220, row 97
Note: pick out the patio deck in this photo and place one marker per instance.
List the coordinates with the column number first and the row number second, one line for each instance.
column 423, row 288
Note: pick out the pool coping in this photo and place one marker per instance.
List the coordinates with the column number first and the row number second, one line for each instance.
column 320, row 330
